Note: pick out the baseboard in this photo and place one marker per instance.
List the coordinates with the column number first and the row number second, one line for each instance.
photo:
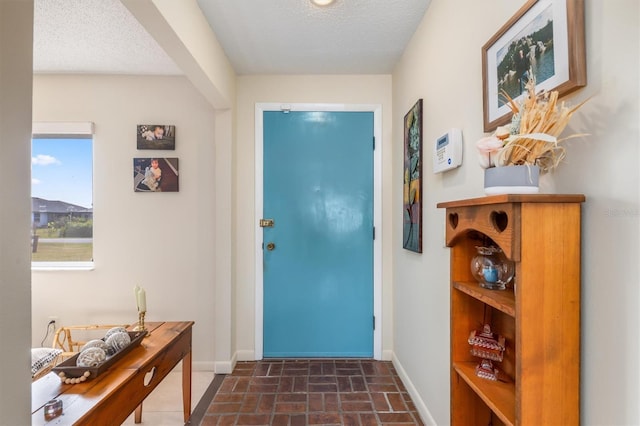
column 203, row 366
column 427, row 418
column 225, row 367
column 245, row 355
column 249, row 355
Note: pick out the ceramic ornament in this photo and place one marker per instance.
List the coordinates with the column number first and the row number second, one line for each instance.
column 91, row 357
column 119, row 341
column 96, row 343
column 114, row 330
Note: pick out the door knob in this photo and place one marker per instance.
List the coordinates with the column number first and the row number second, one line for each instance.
column 270, row 246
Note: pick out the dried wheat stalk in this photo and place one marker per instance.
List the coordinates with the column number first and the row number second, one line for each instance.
column 538, row 114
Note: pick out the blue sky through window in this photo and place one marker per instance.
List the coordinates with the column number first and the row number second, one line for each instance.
column 62, row 169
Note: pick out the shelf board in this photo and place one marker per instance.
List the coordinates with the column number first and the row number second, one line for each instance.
column 503, row 300
column 514, row 198
column 500, row 397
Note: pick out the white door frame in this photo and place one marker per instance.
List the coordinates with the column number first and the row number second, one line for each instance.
column 377, row 210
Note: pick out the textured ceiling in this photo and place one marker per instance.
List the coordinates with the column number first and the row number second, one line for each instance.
column 94, row 36
column 259, row 36
column 296, row 37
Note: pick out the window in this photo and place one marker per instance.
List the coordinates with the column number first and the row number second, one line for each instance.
column 62, row 195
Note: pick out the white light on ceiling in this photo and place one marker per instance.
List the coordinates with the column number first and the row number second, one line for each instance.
column 322, row 2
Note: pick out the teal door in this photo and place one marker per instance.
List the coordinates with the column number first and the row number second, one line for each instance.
column 318, row 255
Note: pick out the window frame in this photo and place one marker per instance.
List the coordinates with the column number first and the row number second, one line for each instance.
column 68, row 130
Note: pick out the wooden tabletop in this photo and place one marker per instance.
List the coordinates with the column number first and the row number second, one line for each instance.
column 111, row 397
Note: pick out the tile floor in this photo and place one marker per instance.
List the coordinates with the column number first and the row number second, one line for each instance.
column 163, row 407
column 312, row 392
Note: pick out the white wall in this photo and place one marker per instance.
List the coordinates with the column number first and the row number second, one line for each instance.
column 442, row 64
column 179, row 273
column 299, row 89
column 183, row 32
column 16, row 25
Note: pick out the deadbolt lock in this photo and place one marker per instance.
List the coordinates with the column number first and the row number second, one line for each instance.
column 266, row 223
column 270, row 246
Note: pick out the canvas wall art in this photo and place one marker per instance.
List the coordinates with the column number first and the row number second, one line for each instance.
column 155, row 174
column 412, row 190
column 156, row 136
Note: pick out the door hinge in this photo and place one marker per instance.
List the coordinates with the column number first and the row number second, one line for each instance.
column 374, row 143
column 374, row 322
column 374, row 232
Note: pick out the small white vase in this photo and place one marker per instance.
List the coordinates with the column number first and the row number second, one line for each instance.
column 511, row 180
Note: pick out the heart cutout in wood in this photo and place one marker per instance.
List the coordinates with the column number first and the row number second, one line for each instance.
column 149, row 376
column 453, row 220
column 500, row 220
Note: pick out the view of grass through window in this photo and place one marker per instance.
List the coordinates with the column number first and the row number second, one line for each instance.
column 62, row 199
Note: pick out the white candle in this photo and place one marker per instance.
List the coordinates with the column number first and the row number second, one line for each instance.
column 142, row 303
column 136, row 290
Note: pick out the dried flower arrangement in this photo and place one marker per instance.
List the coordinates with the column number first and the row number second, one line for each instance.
column 532, row 136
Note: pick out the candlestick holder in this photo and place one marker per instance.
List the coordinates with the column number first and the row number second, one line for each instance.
column 140, row 326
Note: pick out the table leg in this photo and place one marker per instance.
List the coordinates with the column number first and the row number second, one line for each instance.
column 138, row 414
column 186, row 386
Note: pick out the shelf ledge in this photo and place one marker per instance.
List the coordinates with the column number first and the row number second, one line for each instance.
column 500, row 397
column 503, row 300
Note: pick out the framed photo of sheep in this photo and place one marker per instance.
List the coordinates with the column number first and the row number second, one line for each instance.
column 543, row 41
column 155, row 175
column 156, row 136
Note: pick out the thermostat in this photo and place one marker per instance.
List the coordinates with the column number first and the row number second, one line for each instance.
column 447, row 151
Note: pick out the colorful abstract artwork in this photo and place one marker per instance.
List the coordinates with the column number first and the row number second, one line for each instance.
column 412, row 191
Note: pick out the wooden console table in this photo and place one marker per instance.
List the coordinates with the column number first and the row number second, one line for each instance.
column 111, row 397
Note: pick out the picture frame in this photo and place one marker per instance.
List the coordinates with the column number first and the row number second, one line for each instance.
column 553, row 33
column 155, row 174
column 156, row 136
column 412, row 180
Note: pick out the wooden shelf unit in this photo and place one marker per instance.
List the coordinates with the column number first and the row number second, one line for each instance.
column 540, row 319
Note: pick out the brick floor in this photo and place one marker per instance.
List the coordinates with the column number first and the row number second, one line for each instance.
column 312, row 392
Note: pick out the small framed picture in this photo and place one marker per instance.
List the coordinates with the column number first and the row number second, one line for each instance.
column 155, row 174
column 156, row 136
